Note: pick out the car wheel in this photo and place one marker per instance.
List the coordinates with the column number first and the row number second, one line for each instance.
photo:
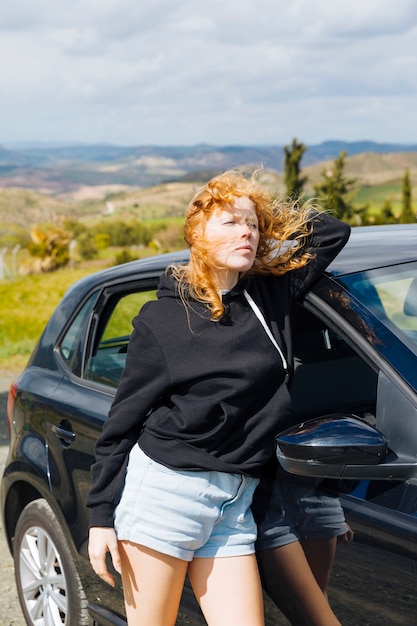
column 48, row 584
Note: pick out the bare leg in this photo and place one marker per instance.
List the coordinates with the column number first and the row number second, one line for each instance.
column 320, row 554
column 290, row 583
column 152, row 585
column 228, row 590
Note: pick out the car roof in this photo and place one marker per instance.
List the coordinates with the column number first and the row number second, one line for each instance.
column 371, row 247
column 129, row 271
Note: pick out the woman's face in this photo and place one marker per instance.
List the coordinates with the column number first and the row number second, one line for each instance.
column 233, row 235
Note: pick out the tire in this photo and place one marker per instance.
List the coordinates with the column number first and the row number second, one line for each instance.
column 48, row 584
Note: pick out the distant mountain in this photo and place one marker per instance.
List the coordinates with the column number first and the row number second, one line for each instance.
column 10, row 159
column 55, row 169
column 330, row 149
column 187, row 156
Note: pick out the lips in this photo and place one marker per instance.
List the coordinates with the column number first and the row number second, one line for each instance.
column 245, row 247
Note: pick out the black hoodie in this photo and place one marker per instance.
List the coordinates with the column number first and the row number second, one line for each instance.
column 204, row 395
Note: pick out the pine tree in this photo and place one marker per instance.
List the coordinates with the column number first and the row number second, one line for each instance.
column 407, row 214
column 387, row 212
column 293, row 181
column 337, row 192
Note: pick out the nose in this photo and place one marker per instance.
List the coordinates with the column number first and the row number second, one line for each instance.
column 246, row 231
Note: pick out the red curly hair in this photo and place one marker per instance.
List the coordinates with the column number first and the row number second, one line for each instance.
column 280, row 222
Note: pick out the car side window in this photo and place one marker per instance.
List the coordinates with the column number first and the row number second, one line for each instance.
column 71, row 346
column 329, row 375
column 107, row 360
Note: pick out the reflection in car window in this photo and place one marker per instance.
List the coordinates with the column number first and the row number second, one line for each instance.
column 106, row 364
column 71, row 346
column 391, row 294
column 322, row 357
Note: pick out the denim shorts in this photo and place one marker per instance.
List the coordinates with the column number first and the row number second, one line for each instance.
column 289, row 509
column 186, row 514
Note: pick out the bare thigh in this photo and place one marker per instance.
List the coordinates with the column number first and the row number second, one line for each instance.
column 228, row 590
column 152, row 585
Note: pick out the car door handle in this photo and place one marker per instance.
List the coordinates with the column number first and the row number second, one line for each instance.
column 64, row 433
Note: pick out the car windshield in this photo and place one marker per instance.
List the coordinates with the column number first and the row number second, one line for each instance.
column 391, row 295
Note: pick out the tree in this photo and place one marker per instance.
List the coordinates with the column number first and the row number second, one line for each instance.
column 74, row 227
column 86, row 246
column 50, row 246
column 124, row 256
column 337, row 192
column 387, row 212
column 407, row 215
column 122, row 233
column 293, row 181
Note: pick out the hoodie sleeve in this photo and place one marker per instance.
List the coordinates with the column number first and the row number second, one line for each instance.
column 328, row 238
column 144, row 380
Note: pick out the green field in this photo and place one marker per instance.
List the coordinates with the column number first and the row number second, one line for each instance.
column 377, row 195
column 26, row 305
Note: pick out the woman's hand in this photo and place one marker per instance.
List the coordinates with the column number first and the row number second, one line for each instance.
column 101, row 541
column 347, row 536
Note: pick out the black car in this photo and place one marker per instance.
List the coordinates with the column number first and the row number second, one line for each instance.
column 355, row 344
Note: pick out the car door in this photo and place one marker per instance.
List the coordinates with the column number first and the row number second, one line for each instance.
column 374, row 578
column 91, row 352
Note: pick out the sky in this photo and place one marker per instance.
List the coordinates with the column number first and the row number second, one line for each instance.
column 221, row 72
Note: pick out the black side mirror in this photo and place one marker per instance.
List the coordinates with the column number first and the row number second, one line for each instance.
column 332, row 446
column 333, row 438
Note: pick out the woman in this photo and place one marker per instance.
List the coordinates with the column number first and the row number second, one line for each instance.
column 202, row 395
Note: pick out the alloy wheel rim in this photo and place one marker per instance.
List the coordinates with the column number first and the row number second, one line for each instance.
column 42, row 579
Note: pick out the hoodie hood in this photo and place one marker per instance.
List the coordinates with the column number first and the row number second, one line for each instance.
column 168, row 287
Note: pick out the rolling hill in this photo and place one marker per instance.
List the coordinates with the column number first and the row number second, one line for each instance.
column 56, row 170
column 154, row 183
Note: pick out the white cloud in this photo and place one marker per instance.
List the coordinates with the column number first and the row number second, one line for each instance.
column 188, row 71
